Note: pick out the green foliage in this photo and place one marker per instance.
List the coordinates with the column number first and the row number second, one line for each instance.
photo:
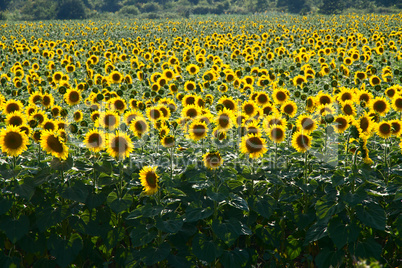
column 39, row 10
column 129, row 10
column 71, row 9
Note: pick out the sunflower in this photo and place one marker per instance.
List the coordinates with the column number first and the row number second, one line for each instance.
column 249, row 108
column 129, row 116
column 384, row 130
column 191, row 111
column 225, row 119
column 306, row 124
column 348, row 108
column 341, row 123
column 78, row 115
column 198, row 130
column 189, row 86
column 95, row 116
column 39, row 116
column 380, row 105
column 57, row 77
column 299, row 80
column 280, row 95
column 397, row 103
column 189, row 100
column 289, row 108
column 301, row 142
column 374, row 80
column 13, row 106
column 118, row 104
column 212, row 160
column 108, row 120
column 262, row 98
column 15, row 118
column 277, row 133
column 95, row 140
column 228, row 102
column 253, row 145
column 115, row 77
column 168, row 141
column 13, row 141
column 55, row 111
column 273, row 119
column 364, row 123
column 396, row 126
column 35, row 98
column 72, row 96
column 365, row 96
column 53, row 144
column 139, row 126
column 149, row 180
column 268, row 108
column 323, row 98
column 119, row 145
column 310, row 104
column 49, row 124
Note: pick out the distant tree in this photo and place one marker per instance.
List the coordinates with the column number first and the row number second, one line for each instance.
column 129, row 10
column 71, row 9
column 330, row 7
column 296, row 6
column 111, row 5
column 4, row 4
column 39, row 10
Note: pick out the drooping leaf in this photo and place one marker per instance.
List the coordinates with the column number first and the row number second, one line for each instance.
column 205, row 248
column 372, row 215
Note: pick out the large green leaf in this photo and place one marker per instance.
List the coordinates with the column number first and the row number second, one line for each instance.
column 293, row 247
column 140, row 235
column 367, row 249
column 205, row 248
column 147, row 211
column 341, row 233
column 238, row 202
column 372, row 215
column 65, row 251
column 6, row 203
column 154, row 255
column 78, row 192
column 15, row 229
column 316, row 232
column 197, row 213
column 264, row 206
column 95, row 200
column 327, row 258
column 234, row 258
column 119, row 204
column 169, row 225
column 227, row 231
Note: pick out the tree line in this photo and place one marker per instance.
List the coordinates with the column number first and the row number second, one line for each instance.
column 81, row 9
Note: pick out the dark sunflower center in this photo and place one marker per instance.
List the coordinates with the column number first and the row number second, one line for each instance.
column 262, row 98
column 288, row 109
column 341, row 123
column 213, row 160
column 398, row 103
column 364, row 124
column 48, row 126
column 396, row 127
column 385, row 128
column 228, row 104
column 151, row 179
column 199, row 130
column 360, row 75
column 249, row 109
column 325, row 100
column 379, row 106
column 119, row 145
column 346, row 96
column 267, row 110
column 13, row 140
column 190, row 100
column 277, row 133
column 77, row 116
column 303, row 142
column 39, row 118
column 116, row 77
column 110, row 120
column 347, row 109
column 95, row 139
column 375, row 80
column 74, row 96
column 365, row 97
column 119, row 104
column 307, row 123
column 140, row 126
column 223, row 120
column 192, row 113
column 54, row 144
column 37, row 99
column 12, row 107
column 15, row 121
column 252, row 130
column 254, row 145
column 281, row 96
column 190, row 86
column 155, row 114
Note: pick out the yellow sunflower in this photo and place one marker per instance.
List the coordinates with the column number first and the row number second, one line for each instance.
column 301, row 142
column 384, row 130
column 108, row 120
column 13, row 141
column 277, row 133
column 198, row 130
column 212, row 160
column 225, row 119
column 149, row 180
column 139, row 126
column 341, row 123
column 290, row 108
column 95, row 140
column 53, row 144
column 16, row 118
column 306, row 123
column 380, row 105
column 119, row 145
column 72, row 96
column 253, row 145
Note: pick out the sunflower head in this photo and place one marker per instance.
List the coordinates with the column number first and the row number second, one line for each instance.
column 53, row 144
column 95, row 140
column 13, row 141
column 277, row 133
column 301, row 141
column 253, row 145
column 212, row 160
column 149, row 180
column 119, row 145
column 198, row 130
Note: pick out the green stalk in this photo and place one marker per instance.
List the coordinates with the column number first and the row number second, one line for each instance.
column 171, row 163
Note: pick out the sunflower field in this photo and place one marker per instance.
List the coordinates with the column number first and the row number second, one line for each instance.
column 263, row 141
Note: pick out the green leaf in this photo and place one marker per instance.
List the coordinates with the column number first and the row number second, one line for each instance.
column 59, row 165
column 118, row 204
column 5, row 204
column 170, row 225
column 218, row 196
column 372, row 215
column 147, row 211
column 25, row 190
column 367, row 249
column 49, row 217
column 155, row 255
column 264, row 206
column 78, row 192
column 234, row 258
column 140, row 235
column 325, row 208
column 205, row 248
column 341, row 233
column 95, row 200
column 316, row 232
column 15, row 229
column 238, row 202
column 227, row 231
column 327, row 258
column 197, row 213
column 65, row 251
column 293, row 248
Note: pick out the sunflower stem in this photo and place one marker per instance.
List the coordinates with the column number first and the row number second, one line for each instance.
column 276, row 157
column 39, row 151
column 215, row 190
column 347, row 150
column 252, row 176
column 386, row 160
column 305, row 167
column 94, row 174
